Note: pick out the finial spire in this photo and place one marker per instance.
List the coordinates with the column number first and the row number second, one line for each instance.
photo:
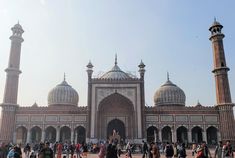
column 18, row 22
column 214, row 19
column 168, row 78
column 64, row 77
column 116, row 59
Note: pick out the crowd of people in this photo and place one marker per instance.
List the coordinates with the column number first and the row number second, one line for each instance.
column 113, row 149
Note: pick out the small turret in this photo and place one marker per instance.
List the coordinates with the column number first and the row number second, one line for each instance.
column 89, row 70
column 141, row 69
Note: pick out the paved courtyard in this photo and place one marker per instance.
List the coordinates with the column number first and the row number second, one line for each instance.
column 189, row 155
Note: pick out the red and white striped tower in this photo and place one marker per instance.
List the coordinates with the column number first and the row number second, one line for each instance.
column 9, row 105
column 223, row 96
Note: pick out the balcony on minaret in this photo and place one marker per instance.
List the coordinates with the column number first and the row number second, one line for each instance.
column 216, row 29
column 17, row 32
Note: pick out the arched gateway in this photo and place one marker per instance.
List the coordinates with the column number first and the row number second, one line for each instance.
column 116, row 130
column 116, row 113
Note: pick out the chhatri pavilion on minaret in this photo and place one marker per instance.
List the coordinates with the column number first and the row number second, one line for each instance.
column 116, row 107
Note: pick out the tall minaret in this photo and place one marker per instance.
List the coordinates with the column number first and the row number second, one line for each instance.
column 223, row 96
column 89, row 94
column 9, row 104
column 142, row 92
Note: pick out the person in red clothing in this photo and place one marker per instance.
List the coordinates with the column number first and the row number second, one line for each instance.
column 78, row 150
column 59, row 150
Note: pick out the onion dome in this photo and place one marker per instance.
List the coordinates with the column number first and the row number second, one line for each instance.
column 169, row 94
column 63, row 94
column 115, row 73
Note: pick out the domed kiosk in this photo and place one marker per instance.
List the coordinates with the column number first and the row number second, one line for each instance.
column 63, row 94
column 169, row 94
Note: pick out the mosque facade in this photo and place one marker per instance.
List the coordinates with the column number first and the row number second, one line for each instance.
column 116, row 107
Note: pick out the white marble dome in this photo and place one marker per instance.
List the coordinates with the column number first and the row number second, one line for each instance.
column 115, row 73
column 63, row 94
column 169, row 94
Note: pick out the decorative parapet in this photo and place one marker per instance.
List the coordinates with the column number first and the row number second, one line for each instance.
column 52, row 110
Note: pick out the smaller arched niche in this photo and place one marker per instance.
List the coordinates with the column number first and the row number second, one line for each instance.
column 211, row 134
column 182, row 134
column 166, row 134
column 21, row 135
column 152, row 134
column 80, row 134
column 36, row 134
column 197, row 136
column 50, row 134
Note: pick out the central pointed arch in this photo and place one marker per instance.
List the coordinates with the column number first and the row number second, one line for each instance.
column 115, row 106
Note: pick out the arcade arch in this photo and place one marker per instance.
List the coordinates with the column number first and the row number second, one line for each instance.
column 36, row 134
column 21, row 135
column 166, row 134
column 182, row 134
column 80, row 134
column 211, row 134
column 50, row 134
column 65, row 134
column 152, row 134
column 197, row 134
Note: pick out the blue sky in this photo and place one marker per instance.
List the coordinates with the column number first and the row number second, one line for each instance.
column 168, row 35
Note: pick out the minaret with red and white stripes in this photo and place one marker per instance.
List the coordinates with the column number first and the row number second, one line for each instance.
column 9, row 105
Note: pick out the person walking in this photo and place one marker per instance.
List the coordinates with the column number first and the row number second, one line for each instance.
column 59, row 150
column 218, row 150
column 169, row 151
column 109, row 150
column 102, row 151
column 27, row 150
column 128, row 149
column 155, row 151
column 227, row 151
column 150, row 149
column 203, row 151
column 47, row 152
column 182, row 151
column 144, row 149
